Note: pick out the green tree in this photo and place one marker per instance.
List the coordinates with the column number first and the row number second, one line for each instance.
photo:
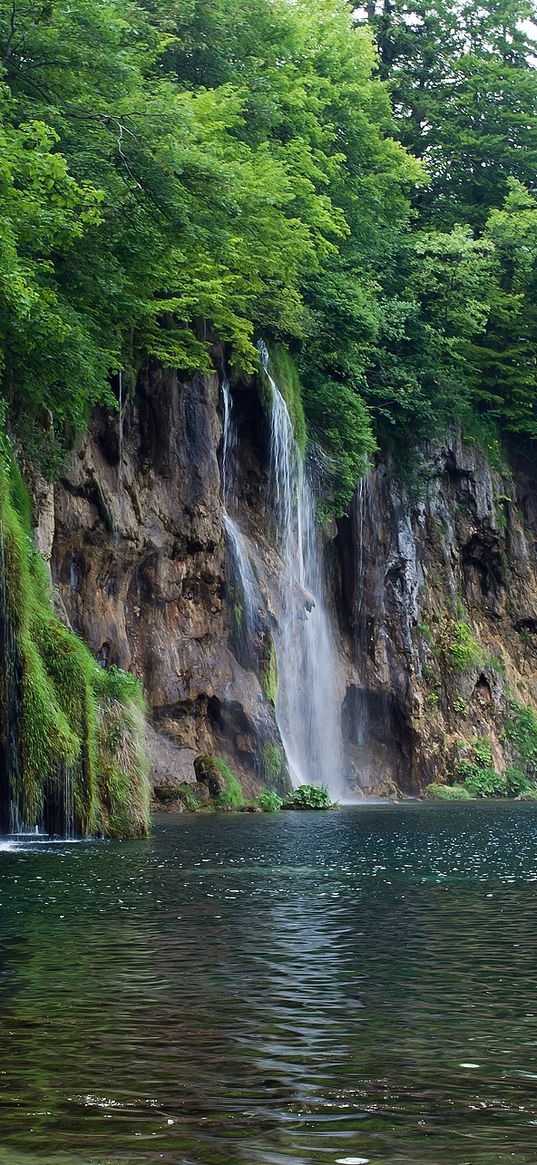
column 464, row 89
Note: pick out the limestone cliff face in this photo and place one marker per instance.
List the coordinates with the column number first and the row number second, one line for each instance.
column 412, row 573
column 135, row 541
column 134, row 535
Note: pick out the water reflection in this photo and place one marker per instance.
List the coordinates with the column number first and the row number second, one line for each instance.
column 294, row 989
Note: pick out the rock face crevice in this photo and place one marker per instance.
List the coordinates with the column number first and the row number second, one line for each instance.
column 135, row 539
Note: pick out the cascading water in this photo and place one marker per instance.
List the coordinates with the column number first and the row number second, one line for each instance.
column 309, row 686
column 243, row 576
column 361, row 709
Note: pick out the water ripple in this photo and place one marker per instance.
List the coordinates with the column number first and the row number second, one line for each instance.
column 287, row 990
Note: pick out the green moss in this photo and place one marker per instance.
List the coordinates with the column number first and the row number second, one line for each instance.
column 275, row 770
column 77, row 727
column 232, row 797
column 269, row 670
column 426, row 633
column 447, row 792
column 285, row 374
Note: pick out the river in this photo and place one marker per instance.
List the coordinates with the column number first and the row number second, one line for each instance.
column 296, row 989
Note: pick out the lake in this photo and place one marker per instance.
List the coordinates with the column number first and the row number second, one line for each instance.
column 295, row 989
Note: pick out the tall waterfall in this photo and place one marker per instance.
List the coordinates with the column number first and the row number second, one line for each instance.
column 309, row 687
column 243, row 576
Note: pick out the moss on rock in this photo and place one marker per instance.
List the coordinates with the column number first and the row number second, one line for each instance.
column 72, row 735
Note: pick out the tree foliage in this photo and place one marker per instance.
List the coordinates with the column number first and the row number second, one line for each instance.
column 175, row 171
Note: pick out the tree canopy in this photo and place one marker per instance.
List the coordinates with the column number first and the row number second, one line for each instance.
column 354, row 185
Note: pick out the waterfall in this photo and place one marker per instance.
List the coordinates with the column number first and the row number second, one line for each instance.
column 244, row 580
column 309, row 683
column 361, row 709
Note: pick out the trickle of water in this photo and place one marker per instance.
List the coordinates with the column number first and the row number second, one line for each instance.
column 244, row 579
column 310, row 687
column 361, row 717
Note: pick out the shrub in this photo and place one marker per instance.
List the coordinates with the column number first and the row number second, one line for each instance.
column 460, row 706
column 309, row 797
column 521, row 732
column 518, row 784
column 447, row 792
column 463, row 650
column 482, row 782
column 268, row 801
column 482, row 751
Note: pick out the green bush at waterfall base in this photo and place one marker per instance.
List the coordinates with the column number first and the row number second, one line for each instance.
column 268, row 801
column 74, row 717
column 438, row 792
column 309, row 797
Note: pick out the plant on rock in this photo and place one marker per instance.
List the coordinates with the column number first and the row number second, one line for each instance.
column 464, row 652
column 268, row 801
column 447, row 792
column 72, row 734
column 309, row 797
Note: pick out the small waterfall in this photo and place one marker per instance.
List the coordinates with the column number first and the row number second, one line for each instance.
column 309, row 694
column 245, row 585
column 361, row 709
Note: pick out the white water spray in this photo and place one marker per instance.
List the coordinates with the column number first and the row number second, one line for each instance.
column 310, row 686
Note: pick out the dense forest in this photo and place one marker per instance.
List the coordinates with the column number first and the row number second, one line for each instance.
column 356, row 184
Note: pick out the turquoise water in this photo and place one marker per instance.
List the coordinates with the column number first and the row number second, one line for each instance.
column 303, row 988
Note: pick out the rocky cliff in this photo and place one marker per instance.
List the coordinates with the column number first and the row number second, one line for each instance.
column 135, row 539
